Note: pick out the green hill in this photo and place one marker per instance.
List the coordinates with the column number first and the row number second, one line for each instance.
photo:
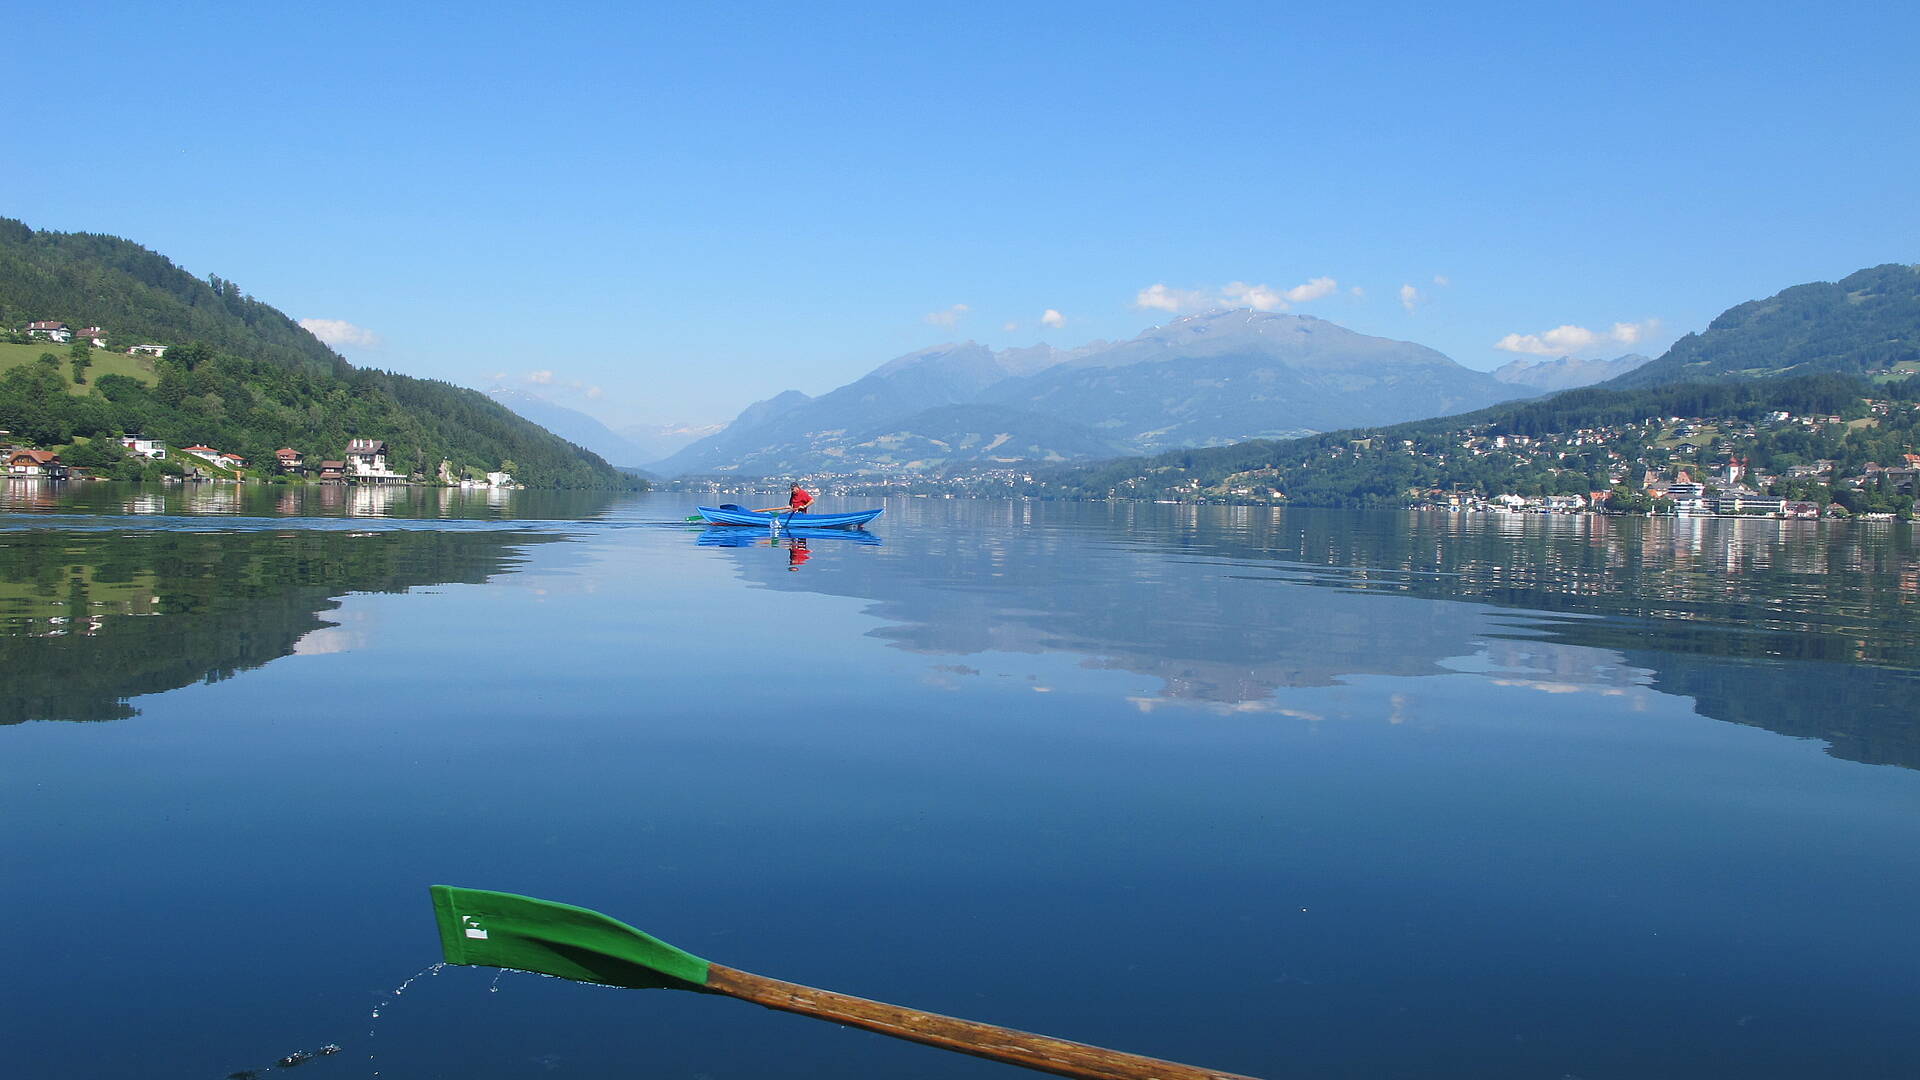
column 239, row 374
column 1866, row 323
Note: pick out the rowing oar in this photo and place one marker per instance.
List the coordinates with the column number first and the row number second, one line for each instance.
column 494, row 929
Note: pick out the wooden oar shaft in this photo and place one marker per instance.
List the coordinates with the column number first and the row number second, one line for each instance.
column 1057, row 1056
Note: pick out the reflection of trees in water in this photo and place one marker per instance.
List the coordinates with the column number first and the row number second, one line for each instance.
column 1807, row 629
column 90, row 620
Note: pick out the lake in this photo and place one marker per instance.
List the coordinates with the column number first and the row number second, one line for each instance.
column 1281, row 792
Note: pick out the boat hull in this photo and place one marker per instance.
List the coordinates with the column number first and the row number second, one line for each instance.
column 717, row 515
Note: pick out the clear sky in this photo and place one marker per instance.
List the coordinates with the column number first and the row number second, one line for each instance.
column 678, row 209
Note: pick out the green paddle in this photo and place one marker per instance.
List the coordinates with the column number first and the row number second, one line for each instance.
column 494, row 929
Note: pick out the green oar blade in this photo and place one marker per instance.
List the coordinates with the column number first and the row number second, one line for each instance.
column 496, row 929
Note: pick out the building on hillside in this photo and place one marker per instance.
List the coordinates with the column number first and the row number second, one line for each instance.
column 205, row 453
column 231, row 461
column 151, row 449
column 501, row 480
column 35, row 464
column 1688, row 498
column 333, row 472
column 94, row 336
column 367, row 463
column 290, row 461
column 1746, row 502
column 147, row 350
column 52, row 331
column 1901, row 481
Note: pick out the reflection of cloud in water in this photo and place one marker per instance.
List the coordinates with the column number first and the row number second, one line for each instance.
column 336, row 638
column 1803, row 631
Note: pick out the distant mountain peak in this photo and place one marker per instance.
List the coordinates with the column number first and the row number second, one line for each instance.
column 1199, row 380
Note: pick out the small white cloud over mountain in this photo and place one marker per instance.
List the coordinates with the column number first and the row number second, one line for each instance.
column 1053, row 319
column 1234, row 294
column 1568, row 339
column 1411, row 297
column 337, row 332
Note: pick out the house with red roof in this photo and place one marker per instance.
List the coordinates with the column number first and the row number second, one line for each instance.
column 35, row 464
column 52, row 331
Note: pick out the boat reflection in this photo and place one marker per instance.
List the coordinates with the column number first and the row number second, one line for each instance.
column 797, row 543
column 735, row 536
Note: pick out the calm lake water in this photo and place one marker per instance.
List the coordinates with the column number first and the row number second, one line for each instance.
column 1300, row 793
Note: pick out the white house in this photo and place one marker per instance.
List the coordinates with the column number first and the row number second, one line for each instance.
column 147, row 350
column 367, row 462
column 205, row 453
column 151, row 449
column 52, row 331
column 94, row 336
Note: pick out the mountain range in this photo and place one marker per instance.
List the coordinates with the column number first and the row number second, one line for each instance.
column 1821, row 348
column 1200, row 380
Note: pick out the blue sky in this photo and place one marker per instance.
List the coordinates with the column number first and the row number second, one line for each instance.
column 665, row 212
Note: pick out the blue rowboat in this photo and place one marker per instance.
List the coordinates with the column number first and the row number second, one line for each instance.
column 734, row 515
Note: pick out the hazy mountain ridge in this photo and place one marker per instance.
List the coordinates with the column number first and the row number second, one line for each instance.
column 1197, row 381
column 1567, row 372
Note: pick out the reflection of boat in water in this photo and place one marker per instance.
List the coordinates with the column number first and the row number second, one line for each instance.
column 740, row 515
column 716, row 536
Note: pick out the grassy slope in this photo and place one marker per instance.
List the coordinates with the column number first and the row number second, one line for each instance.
column 105, row 362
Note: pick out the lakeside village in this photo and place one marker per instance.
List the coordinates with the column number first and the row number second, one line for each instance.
column 364, row 463
column 1684, row 466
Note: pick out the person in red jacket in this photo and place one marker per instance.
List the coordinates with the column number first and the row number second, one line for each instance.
column 798, row 500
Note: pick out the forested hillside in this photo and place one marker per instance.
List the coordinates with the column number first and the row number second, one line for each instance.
column 1867, row 322
column 238, row 375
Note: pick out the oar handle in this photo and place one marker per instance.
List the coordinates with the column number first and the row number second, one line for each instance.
column 1057, row 1056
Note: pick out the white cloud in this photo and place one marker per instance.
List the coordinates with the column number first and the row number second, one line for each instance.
column 1358, row 291
column 1313, row 290
column 340, row 332
column 1009, row 326
column 948, row 318
column 1411, row 297
column 1053, row 318
column 1257, row 297
column 1165, row 299
column 541, row 378
column 1569, row 339
column 1260, row 297
column 594, row 391
column 1442, row 280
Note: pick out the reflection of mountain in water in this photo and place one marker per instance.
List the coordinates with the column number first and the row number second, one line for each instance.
column 1804, row 629
column 89, row 620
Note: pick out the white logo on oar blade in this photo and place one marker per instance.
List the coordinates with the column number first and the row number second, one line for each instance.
column 472, row 927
